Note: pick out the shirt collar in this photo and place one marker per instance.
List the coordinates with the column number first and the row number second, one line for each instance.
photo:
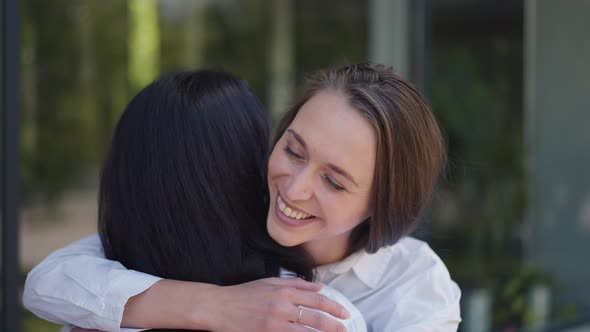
column 369, row 268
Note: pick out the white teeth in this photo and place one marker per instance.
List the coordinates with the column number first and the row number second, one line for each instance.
column 290, row 212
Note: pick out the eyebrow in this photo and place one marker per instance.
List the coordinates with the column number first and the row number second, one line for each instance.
column 333, row 167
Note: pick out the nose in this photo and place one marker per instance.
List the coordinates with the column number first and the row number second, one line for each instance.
column 300, row 188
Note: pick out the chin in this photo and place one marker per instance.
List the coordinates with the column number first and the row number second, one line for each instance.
column 280, row 236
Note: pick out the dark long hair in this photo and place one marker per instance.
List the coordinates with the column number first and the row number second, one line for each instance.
column 183, row 191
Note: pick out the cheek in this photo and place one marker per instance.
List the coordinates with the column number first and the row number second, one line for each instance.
column 274, row 163
column 345, row 214
column 278, row 164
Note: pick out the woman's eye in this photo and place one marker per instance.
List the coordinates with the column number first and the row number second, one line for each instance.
column 292, row 153
column 333, row 184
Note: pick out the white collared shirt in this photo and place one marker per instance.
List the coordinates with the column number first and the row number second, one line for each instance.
column 404, row 287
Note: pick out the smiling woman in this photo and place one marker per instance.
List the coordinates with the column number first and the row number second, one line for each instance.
column 363, row 143
column 353, row 165
column 323, row 167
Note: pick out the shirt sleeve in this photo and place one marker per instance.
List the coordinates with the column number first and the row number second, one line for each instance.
column 76, row 285
column 356, row 321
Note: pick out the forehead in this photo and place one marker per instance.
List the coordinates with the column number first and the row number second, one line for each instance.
column 336, row 133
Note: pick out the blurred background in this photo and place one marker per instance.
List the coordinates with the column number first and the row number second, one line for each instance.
column 508, row 80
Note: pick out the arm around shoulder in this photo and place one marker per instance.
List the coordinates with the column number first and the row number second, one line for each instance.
column 77, row 285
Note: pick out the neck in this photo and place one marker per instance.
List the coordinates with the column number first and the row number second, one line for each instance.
column 330, row 250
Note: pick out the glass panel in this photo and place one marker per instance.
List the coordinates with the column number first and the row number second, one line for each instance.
column 477, row 94
column 83, row 60
column 495, row 219
column 476, row 91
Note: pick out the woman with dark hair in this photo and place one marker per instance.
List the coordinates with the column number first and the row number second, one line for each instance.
column 354, row 164
column 183, row 192
column 183, row 186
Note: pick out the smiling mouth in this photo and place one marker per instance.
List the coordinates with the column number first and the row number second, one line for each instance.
column 291, row 212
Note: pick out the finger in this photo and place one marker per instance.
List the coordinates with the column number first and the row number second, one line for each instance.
column 297, row 283
column 320, row 302
column 295, row 327
column 319, row 321
column 283, row 326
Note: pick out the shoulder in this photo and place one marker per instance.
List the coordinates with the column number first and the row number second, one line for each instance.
column 414, row 256
column 413, row 281
column 407, row 261
column 412, row 263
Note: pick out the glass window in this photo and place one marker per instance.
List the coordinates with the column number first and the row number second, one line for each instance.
column 509, row 218
column 83, row 60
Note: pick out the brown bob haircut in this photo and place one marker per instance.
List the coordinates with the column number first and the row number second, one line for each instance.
column 411, row 151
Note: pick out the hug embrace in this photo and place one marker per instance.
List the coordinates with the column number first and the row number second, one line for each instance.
column 205, row 224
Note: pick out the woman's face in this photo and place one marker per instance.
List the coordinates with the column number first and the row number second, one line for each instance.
column 320, row 177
